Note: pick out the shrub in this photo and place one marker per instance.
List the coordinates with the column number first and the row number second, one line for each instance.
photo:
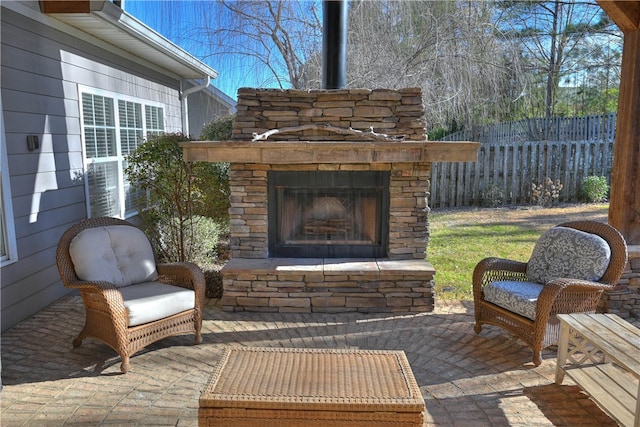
column 220, row 129
column 546, row 194
column 594, row 189
column 217, row 174
column 212, row 181
column 174, row 196
column 492, row 196
column 201, row 237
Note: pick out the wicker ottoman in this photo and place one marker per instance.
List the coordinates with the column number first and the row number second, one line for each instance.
column 254, row 386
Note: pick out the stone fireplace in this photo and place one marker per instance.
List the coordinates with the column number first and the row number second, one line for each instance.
column 329, row 200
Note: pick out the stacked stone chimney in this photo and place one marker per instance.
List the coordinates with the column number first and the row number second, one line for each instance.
column 391, row 112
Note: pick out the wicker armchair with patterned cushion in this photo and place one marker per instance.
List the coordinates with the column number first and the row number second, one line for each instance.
column 130, row 301
column 570, row 267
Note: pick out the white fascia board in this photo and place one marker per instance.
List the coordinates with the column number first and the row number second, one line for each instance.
column 132, row 26
column 64, row 23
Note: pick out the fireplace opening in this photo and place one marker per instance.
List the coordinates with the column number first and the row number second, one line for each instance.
column 328, row 214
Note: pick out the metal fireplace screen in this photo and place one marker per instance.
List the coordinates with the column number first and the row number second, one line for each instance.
column 337, row 214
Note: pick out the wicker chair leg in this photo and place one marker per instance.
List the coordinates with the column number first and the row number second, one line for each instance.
column 124, row 366
column 477, row 327
column 198, row 338
column 78, row 340
column 537, row 358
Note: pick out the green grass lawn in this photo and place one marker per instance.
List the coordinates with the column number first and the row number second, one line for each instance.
column 460, row 238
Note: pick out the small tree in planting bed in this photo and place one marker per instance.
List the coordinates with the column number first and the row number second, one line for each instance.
column 174, row 204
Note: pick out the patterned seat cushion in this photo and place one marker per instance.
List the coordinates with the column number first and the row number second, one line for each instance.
column 515, row 296
column 566, row 252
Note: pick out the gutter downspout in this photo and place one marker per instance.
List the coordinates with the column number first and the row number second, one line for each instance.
column 185, row 107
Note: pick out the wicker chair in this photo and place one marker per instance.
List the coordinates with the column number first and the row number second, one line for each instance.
column 539, row 327
column 111, row 307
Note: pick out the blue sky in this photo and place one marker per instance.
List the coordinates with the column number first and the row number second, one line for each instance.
column 180, row 21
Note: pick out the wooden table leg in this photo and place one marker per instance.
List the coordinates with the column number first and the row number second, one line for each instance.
column 636, row 422
column 563, row 347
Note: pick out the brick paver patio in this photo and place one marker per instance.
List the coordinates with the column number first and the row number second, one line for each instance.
column 466, row 379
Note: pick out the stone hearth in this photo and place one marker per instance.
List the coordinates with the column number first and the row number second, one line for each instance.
column 403, row 280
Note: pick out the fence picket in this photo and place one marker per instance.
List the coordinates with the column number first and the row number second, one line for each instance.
column 514, row 172
column 555, row 128
column 514, row 164
column 514, row 167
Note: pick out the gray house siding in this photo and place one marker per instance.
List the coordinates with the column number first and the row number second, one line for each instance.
column 204, row 107
column 40, row 72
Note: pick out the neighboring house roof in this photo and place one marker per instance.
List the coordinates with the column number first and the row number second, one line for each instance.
column 217, row 95
column 108, row 22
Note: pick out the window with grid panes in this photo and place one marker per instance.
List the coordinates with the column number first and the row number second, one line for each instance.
column 8, row 248
column 110, row 135
column 4, row 247
column 131, row 131
column 154, row 119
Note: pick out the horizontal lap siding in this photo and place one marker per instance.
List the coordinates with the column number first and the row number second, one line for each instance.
column 41, row 70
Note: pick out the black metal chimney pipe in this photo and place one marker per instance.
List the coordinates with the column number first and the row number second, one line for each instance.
column 334, row 44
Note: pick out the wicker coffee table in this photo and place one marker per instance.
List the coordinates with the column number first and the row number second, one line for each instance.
column 255, row 386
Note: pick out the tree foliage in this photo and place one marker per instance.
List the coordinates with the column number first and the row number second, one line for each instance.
column 219, row 129
column 476, row 61
column 446, row 48
column 216, row 175
column 561, row 42
column 278, row 37
column 175, row 198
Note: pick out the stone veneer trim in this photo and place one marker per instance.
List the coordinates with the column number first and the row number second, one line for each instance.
column 624, row 299
column 328, row 285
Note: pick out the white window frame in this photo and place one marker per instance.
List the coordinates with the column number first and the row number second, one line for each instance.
column 119, row 157
column 8, row 224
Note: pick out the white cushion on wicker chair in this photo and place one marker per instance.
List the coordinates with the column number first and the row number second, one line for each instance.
column 118, row 254
column 567, row 252
column 515, row 296
column 151, row 301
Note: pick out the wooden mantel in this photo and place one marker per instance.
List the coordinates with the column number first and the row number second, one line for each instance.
column 307, row 152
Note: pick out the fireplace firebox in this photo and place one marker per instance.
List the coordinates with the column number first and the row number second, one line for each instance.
column 328, row 214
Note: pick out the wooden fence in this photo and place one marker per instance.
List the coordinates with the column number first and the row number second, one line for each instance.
column 587, row 128
column 505, row 172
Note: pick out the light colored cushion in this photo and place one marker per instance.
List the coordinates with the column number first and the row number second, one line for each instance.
column 119, row 254
column 566, row 252
column 517, row 297
column 151, row 301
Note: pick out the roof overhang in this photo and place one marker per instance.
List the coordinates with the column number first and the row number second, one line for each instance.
column 626, row 14
column 216, row 94
column 109, row 23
